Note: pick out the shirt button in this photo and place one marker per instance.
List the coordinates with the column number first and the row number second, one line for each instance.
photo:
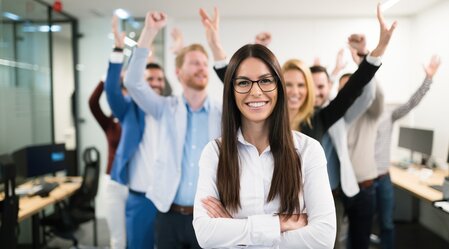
column 192, row 165
column 193, row 147
column 190, row 184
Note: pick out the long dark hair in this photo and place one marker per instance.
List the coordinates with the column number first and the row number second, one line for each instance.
column 286, row 180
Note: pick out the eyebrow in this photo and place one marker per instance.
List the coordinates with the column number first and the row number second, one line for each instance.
column 260, row 77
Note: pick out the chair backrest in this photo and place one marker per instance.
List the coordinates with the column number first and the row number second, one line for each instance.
column 9, row 206
column 89, row 186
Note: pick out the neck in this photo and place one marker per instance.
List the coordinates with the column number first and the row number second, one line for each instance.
column 256, row 134
column 195, row 98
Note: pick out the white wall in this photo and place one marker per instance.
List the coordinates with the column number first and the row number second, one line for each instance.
column 431, row 36
column 63, row 87
column 94, row 51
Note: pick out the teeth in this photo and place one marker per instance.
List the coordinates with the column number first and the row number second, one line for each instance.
column 293, row 99
column 256, row 104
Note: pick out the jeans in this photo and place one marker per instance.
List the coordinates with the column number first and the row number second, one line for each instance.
column 140, row 218
column 360, row 211
column 385, row 207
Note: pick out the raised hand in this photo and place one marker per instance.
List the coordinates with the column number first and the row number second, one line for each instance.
column 154, row 22
column 296, row 221
column 178, row 40
column 119, row 38
column 263, row 38
column 433, row 66
column 212, row 28
column 340, row 63
column 355, row 57
column 358, row 42
column 214, row 208
column 385, row 34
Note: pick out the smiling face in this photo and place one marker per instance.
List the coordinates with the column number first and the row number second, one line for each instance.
column 193, row 72
column 256, row 105
column 295, row 83
column 322, row 88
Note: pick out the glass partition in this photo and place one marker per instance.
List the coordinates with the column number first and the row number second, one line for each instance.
column 25, row 81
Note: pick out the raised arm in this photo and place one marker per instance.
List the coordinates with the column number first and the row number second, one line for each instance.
column 357, row 45
column 145, row 97
column 416, row 98
column 361, row 77
column 94, row 105
column 117, row 101
column 212, row 28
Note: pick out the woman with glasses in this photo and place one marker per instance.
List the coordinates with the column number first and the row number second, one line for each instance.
column 256, row 182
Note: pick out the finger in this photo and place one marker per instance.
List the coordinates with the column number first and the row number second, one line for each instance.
column 216, row 17
column 203, row 14
column 379, row 15
column 213, row 208
column 209, row 208
column 114, row 23
column 163, row 16
column 393, row 27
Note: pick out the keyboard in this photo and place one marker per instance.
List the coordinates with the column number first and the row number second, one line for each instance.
column 44, row 189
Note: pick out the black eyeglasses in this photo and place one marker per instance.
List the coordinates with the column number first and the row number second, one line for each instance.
column 266, row 84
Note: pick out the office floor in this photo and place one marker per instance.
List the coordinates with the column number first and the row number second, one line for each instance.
column 409, row 236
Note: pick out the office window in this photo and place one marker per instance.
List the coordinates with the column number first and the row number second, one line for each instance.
column 25, row 87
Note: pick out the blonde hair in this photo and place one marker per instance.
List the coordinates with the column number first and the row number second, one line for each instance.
column 305, row 112
column 181, row 55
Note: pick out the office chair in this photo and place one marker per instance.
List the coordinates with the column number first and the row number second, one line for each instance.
column 9, row 206
column 81, row 206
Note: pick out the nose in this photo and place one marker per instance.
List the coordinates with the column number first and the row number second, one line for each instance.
column 255, row 90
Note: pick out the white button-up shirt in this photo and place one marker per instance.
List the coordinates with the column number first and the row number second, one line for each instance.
column 256, row 224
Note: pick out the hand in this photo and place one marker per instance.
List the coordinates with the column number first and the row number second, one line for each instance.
column 296, row 221
column 178, row 40
column 214, row 208
column 385, row 34
column 212, row 27
column 119, row 38
column 358, row 42
column 154, row 22
column 263, row 38
column 433, row 66
column 339, row 63
column 355, row 57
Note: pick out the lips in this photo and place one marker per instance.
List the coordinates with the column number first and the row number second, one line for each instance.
column 257, row 104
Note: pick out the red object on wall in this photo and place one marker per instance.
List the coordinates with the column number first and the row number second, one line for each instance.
column 57, row 6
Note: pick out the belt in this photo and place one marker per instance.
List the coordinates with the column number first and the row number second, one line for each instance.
column 366, row 184
column 184, row 210
column 135, row 192
column 382, row 175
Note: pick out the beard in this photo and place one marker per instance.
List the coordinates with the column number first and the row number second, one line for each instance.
column 196, row 83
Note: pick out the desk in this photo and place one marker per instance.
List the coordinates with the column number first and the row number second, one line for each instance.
column 31, row 206
column 419, row 188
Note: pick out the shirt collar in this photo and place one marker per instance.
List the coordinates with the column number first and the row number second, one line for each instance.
column 204, row 108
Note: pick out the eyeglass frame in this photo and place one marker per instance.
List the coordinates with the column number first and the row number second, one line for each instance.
column 256, row 81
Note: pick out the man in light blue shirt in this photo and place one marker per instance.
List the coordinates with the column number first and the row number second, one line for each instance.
column 185, row 124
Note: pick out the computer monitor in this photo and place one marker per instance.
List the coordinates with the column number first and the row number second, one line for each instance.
column 416, row 140
column 39, row 160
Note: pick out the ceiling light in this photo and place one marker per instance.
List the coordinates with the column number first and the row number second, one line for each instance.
column 11, row 16
column 386, row 4
column 121, row 13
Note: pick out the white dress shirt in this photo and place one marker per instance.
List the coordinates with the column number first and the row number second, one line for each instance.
column 256, row 224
